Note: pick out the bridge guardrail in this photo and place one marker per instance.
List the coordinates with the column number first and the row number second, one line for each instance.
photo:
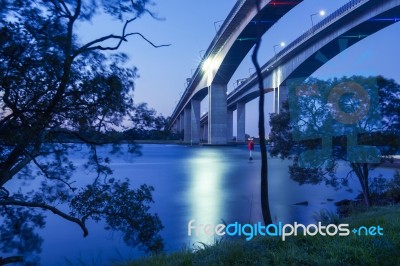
column 331, row 17
column 337, row 13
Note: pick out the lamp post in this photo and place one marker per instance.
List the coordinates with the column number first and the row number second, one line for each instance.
column 250, row 72
column 276, row 45
column 201, row 55
column 215, row 25
column 321, row 13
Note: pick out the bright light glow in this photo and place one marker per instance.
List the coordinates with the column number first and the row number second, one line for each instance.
column 282, row 44
column 210, row 64
column 206, row 64
column 322, row 13
column 210, row 67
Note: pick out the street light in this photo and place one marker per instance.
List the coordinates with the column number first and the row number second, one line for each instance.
column 215, row 25
column 200, row 53
column 239, row 82
column 276, row 45
column 250, row 72
column 321, row 13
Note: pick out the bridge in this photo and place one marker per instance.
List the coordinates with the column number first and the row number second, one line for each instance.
column 343, row 28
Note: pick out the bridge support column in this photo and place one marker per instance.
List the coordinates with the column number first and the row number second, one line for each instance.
column 175, row 127
column 187, row 130
column 195, row 122
column 182, row 123
column 241, row 122
column 280, row 97
column 229, row 125
column 206, row 132
column 217, row 114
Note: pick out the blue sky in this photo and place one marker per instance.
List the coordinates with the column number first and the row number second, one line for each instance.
column 189, row 26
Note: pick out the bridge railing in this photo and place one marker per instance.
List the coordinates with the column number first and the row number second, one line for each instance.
column 225, row 24
column 332, row 17
column 305, row 36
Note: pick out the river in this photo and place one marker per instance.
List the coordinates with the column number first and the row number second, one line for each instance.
column 207, row 184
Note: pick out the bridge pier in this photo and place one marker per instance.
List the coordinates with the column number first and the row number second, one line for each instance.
column 241, row 122
column 280, row 97
column 195, row 121
column 182, row 123
column 217, row 114
column 204, row 132
column 229, row 125
column 177, row 125
column 187, row 130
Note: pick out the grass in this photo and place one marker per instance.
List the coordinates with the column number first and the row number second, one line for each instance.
column 300, row 250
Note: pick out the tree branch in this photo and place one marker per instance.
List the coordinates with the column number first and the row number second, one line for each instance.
column 25, row 161
column 67, row 65
column 11, row 259
column 19, row 166
column 137, row 7
column 7, row 171
column 64, row 13
column 147, row 40
column 90, row 46
column 6, row 193
column 56, row 211
column 66, row 8
column 46, row 174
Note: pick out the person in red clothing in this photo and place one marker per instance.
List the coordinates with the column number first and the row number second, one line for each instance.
column 250, row 146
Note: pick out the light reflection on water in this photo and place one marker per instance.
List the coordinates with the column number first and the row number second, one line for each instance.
column 205, row 193
column 208, row 184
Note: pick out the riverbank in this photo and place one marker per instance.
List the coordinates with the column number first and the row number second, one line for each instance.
column 181, row 142
column 300, row 250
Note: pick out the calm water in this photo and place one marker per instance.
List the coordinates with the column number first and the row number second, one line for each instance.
column 208, row 184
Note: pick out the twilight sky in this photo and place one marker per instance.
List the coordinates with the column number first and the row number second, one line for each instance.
column 189, row 26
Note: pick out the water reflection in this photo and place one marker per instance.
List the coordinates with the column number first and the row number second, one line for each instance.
column 205, row 193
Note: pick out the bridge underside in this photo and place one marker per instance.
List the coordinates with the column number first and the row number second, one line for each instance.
column 300, row 62
column 240, row 36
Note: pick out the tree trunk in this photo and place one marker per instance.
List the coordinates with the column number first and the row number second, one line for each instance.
column 261, row 130
column 362, row 173
column 367, row 198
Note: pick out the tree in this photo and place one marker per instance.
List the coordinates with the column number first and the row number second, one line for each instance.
column 355, row 120
column 261, row 131
column 52, row 85
column 147, row 124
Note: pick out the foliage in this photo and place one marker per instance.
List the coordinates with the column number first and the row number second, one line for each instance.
column 53, row 86
column 393, row 190
column 128, row 213
column 147, row 125
column 326, row 217
column 385, row 190
column 317, row 138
